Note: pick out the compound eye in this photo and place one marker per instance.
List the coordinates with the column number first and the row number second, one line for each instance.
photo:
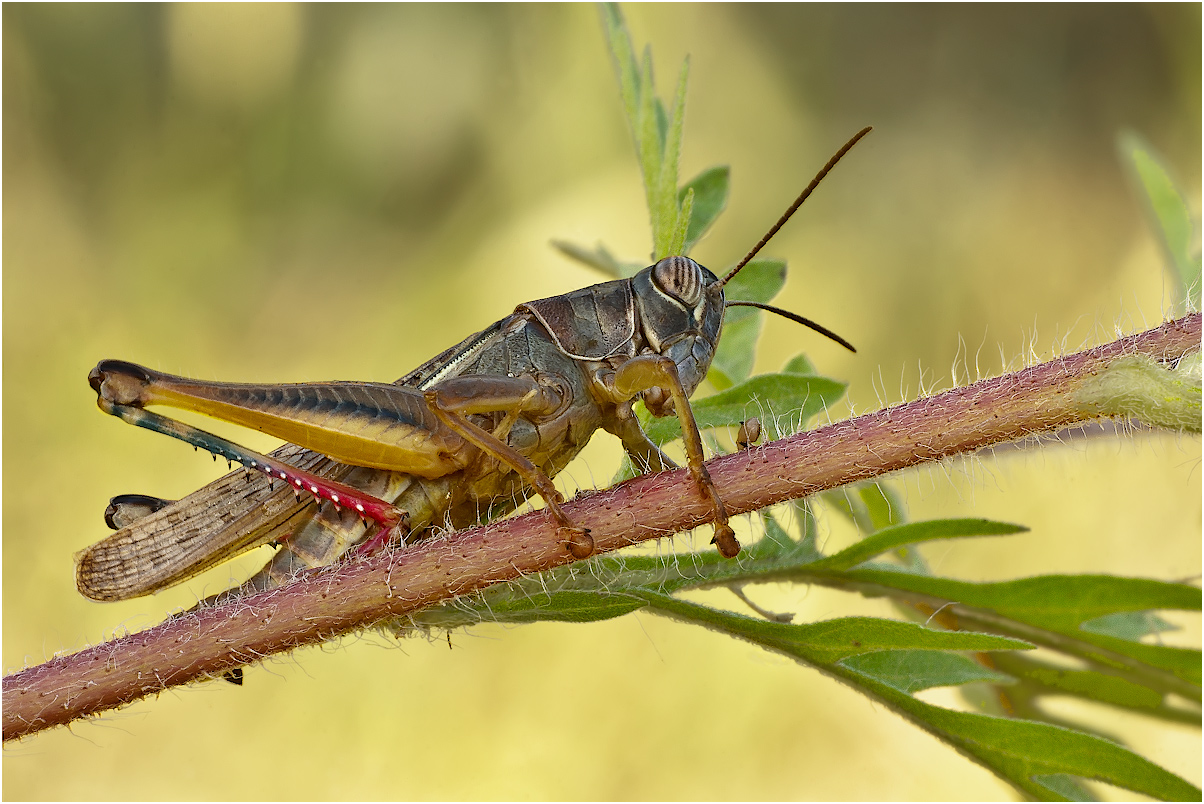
column 681, row 278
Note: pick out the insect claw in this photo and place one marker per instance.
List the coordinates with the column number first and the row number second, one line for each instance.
column 725, row 540
column 749, row 433
column 578, row 542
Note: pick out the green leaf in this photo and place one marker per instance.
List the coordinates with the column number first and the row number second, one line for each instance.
column 736, row 353
column 1060, row 604
column 1168, row 212
column 870, row 506
column 1063, row 786
column 912, row 533
column 710, row 198
column 626, row 68
column 882, row 506
column 661, row 117
column 887, row 659
column 793, row 397
column 648, row 144
column 1034, row 757
column 599, row 258
column 575, row 606
column 799, row 364
column 1046, row 678
column 914, row 670
column 671, row 222
column 649, row 125
column 808, row 530
column 657, row 135
column 677, row 245
column 1130, row 625
column 759, row 281
column 832, row 641
column 777, row 547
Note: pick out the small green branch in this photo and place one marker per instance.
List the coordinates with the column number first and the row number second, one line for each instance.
column 657, row 136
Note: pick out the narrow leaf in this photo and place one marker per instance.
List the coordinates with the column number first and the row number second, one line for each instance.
column 1168, row 212
column 735, row 356
column 1061, row 603
column 1046, row 678
column 626, row 68
column 1063, row 786
column 799, row 364
column 666, row 184
column 1023, row 753
column 677, row 242
column 662, row 117
column 575, row 606
column 648, row 140
column 1130, row 625
column 912, row 533
column 831, row 641
column 710, row 198
column 914, row 670
column 869, row 506
column 599, row 258
column 882, row 506
column 759, row 281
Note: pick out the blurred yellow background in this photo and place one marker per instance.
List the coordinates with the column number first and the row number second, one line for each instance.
column 289, row 193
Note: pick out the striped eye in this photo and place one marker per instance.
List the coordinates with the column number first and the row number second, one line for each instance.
column 681, row 278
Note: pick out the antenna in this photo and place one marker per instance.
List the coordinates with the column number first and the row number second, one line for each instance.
column 795, row 317
column 798, row 202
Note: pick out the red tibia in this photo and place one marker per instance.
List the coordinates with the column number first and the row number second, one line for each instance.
column 341, row 495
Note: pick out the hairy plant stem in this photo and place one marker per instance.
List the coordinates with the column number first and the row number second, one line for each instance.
column 346, row 597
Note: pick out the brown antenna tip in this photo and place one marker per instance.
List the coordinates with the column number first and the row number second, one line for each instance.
column 798, row 202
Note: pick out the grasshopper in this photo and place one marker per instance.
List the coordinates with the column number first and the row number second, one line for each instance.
column 465, row 437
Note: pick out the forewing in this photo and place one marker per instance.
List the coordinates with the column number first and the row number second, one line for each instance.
column 225, row 518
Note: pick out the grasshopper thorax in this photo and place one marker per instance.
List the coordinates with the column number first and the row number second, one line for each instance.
column 680, row 307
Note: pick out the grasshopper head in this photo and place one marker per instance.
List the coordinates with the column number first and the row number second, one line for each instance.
column 681, row 303
column 681, row 311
